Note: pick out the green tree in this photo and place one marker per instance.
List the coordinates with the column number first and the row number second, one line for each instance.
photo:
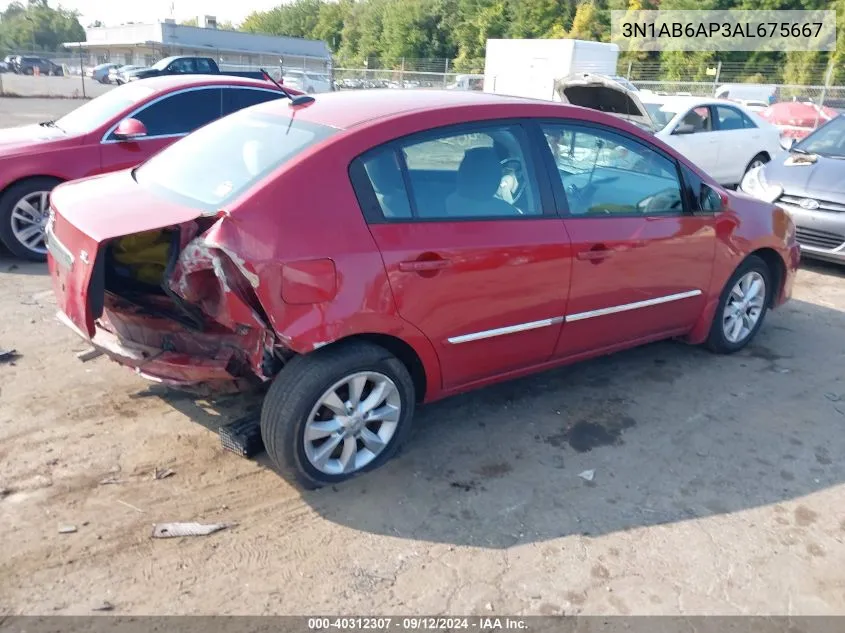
column 38, row 25
column 586, row 24
column 297, row 19
column 537, row 18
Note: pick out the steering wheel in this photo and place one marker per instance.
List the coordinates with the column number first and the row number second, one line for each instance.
column 513, row 182
column 662, row 201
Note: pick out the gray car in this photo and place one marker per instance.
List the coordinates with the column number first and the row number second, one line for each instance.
column 808, row 181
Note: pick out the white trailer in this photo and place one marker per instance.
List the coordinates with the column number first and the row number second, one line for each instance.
column 529, row 68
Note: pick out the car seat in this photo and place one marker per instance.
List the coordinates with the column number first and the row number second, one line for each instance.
column 479, row 176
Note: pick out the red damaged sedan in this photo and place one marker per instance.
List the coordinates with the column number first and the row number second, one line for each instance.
column 372, row 250
column 118, row 129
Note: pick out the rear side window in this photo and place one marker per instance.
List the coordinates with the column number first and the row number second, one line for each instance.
column 215, row 164
column 204, row 66
column 182, row 113
column 235, row 99
column 472, row 174
column 730, row 118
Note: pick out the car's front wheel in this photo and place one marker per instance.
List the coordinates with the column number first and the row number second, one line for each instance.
column 758, row 161
column 742, row 307
column 24, row 210
column 336, row 413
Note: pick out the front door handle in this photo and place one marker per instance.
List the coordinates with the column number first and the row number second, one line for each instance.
column 424, row 265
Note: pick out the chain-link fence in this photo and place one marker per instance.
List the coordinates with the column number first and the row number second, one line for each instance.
column 69, row 75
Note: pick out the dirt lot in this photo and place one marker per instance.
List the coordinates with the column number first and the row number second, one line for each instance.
column 719, row 486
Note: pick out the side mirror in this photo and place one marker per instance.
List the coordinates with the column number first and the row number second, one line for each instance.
column 713, row 200
column 130, row 129
column 786, row 142
column 684, row 128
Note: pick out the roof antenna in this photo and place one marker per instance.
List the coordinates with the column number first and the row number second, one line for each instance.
column 298, row 100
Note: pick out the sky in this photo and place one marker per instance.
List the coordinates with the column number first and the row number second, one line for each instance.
column 113, row 12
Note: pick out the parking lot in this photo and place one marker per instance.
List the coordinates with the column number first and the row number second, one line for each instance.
column 719, row 485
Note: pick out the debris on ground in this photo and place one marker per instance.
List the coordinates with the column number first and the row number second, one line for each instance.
column 129, row 505
column 242, row 437
column 163, row 473
column 67, row 529
column 110, row 480
column 105, row 605
column 588, row 475
column 172, row 530
column 89, row 354
column 8, row 355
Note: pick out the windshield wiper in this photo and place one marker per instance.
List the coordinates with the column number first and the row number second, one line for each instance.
column 50, row 124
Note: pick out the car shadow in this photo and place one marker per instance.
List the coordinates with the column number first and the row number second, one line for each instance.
column 668, row 432
column 15, row 266
column 823, row 267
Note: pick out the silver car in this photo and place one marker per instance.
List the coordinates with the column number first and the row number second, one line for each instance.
column 808, row 181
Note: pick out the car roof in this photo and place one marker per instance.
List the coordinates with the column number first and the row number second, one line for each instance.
column 678, row 102
column 349, row 108
column 167, row 83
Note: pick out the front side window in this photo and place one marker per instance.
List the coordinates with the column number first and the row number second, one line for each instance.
column 485, row 173
column 608, row 174
column 204, row 66
column 182, row 113
column 697, row 120
column 181, row 66
column 212, row 166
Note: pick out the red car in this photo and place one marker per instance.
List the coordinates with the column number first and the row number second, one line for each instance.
column 373, row 250
column 117, row 130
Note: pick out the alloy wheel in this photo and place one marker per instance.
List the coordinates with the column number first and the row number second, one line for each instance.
column 29, row 220
column 744, row 307
column 352, row 423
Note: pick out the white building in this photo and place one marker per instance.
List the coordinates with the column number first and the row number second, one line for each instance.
column 144, row 44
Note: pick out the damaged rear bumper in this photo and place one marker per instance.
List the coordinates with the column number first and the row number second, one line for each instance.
column 172, row 368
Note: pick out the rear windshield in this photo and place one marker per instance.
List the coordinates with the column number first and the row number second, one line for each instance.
column 225, row 158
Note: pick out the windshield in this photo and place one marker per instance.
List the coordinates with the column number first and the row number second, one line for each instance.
column 828, row 140
column 660, row 114
column 223, row 159
column 88, row 117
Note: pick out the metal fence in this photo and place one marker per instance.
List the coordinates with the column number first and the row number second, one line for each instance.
column 695, row 78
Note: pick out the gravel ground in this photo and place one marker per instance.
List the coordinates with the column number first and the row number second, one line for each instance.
column 719, row 485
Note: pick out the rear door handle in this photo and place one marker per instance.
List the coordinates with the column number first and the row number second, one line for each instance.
column 424, row 265
column 593, row 255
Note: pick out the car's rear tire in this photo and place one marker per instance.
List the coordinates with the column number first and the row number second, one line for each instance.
column 337, row 412
column 742, row 307
column 23, row 207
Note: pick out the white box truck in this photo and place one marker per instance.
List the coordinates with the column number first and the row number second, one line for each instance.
column 529, row 68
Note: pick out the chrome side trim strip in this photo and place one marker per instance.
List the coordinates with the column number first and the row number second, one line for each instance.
column 511, row 329
column 580, row 316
